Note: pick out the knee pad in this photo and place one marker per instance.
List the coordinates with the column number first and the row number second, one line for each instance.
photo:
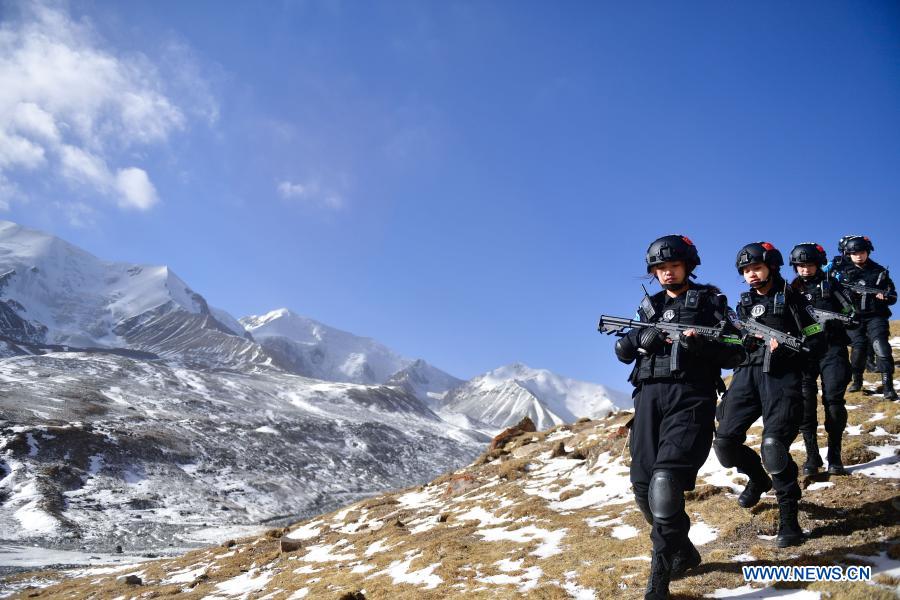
column 882, row 349
column 726, row 451
column 666, row 495
column 775, row 456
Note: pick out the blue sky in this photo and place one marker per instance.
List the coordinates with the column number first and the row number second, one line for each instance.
column 469, row 182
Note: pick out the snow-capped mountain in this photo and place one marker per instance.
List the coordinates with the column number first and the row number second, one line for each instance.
column 133, row 411
column 52, row 292
column 424, row 381
column 314, row 349
column 503, row 396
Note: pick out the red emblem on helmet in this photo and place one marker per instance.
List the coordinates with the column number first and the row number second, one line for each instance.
column 767, row 245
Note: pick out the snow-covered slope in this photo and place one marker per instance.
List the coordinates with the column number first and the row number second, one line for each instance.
column 424, row 381
column 52, row 292
column 77, row 297
column 503, row 396
column 317, row 350
column 100, row 450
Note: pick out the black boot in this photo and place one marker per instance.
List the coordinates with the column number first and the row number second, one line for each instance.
column 835, row 464
column 856, row 384
column 813, row 458
column 660, row 575
column 789, row 532
column 756, row 487
column 887, row 381
column 685, row 559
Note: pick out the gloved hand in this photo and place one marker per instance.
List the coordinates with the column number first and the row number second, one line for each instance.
column 752, row 343
column 816, row 344
column 692, row 343
column 652, row 340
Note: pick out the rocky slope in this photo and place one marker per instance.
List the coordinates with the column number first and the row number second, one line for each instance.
column 101, row 450
column 549, row 515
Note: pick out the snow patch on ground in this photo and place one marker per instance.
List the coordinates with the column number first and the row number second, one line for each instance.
column 701, row 533
column 525, row 582
column 550, row 540
column 399, row 572
column 244, row 585
column 886, row 464
column 477, row 513
column 819, row 485
column 323, row 553
column 624, row 532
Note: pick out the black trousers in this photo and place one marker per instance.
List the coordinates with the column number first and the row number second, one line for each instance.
column 873, row 331
column 777, row 398
column 672, row 430
column 834, row 369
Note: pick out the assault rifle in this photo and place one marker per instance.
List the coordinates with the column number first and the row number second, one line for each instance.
column 865, row 289
column 757, row 329
column 674, row 331
column 823, row 316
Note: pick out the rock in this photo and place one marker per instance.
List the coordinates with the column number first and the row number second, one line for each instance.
column 576, row 455
column 131, row 580
column 526, row 425
column 352, row 596
column 558, row 450
column 289, row 545
column 460, row 483
column 229, row 544
column 118, row 549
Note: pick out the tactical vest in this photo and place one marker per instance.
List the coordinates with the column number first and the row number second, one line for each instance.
column 700, row 305
column 874, row 275
column 778, row 311
column 825, row 293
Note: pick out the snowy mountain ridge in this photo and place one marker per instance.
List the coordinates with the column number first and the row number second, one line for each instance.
column 52, row 292
column 502, row 396
column 323, row 352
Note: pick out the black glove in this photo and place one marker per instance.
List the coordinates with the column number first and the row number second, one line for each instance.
column 652, row 340
column 692, row 343
column 816, row 344
column 752, row 343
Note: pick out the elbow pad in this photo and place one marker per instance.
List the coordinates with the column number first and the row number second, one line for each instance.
column 626, row 348
column 732, row 356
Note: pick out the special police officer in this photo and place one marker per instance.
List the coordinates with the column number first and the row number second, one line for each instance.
column 767, row 383
column 856, row 268
column 674, row 409
column 827, row 294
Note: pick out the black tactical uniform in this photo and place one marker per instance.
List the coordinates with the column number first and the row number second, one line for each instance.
column 873, row 312
column 822, row 291
column 767, row 384
column 674, row 410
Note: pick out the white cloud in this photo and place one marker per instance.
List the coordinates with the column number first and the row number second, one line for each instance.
column 73, row 107
column 136, row 189
column 311, row 192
